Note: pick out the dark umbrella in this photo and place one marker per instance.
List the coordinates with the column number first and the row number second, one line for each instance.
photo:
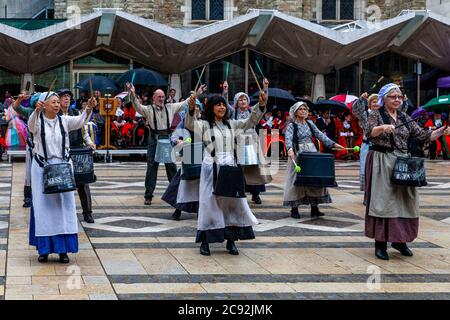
column 277, row 93
column 334, row 106
column 100, row 83
column 309, row 103
column 143, row 77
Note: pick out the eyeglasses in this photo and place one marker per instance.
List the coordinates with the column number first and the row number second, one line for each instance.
column 396, row 97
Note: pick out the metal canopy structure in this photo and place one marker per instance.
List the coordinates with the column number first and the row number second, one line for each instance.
column 304, row 45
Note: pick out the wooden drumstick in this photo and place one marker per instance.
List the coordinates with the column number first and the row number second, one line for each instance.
column 50, row 88
column 91, row 87
column 355, row 148
column 254, row 75
column 199, row 79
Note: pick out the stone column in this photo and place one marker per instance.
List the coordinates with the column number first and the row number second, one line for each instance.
column 175, row 83
column 319, row 86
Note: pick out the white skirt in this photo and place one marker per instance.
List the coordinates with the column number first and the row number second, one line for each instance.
column 54, row 214
column 216, row 212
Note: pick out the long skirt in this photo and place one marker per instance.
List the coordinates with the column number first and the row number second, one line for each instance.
column 62, row 243
column 295, row 196
column 180, row 194
column 400, row 230
column 221, row 218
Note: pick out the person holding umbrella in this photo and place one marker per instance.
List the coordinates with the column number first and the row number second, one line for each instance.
column 392, row 210
column 159, row 117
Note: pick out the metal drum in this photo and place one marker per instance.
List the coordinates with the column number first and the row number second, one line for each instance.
column 248, row 151
column 58, row 178
column 163, row 152
column 83, row 165
column 317, row 170
column 192, row 161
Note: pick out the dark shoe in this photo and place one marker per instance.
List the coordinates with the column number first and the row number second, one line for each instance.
column 403, row 248
column 204, row 249
column 64, row 258
column 27, row 202
column 148, row 202
column 294, row 213
column 27, row 197
column 88, row 217
column 256, row 199
column 176, row 215
column 315, row 212
column 43, row 258
column 381, row 254
column 231, row 247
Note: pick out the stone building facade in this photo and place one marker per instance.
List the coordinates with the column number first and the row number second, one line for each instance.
column 178, row 13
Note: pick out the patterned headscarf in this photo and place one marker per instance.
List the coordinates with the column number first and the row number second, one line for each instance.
column 384, row 91
column 294, row 109
column 44, row 94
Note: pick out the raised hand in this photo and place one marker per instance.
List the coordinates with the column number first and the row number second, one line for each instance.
column 92, row 103
column 40, row 106
column 262, row 98
column 265, row 84
column 131, row 89
column 365, row 96
column 192, row 101
column 225, row 86
column 201, row 90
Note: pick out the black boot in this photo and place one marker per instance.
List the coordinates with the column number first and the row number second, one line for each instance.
column 231, row 247
column 315, row 212
column 87, row 216
column 204, row 249
column 403, row 248
column 176, row 215
column 43, row 258
column 256, row 198
column 64, row 258
column 381, row 250
column 27, row 197
column 294, row 213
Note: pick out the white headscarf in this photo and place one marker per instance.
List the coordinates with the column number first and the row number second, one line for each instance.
column 294, row 109
column 44, row 94
column 384, row 91
column 237, row 96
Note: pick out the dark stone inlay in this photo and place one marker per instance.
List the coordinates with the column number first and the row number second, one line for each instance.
column 254, row 245
column 2, row 281
column 289, row 296
column 3, row 246
column 133, row 224
column 277, row 278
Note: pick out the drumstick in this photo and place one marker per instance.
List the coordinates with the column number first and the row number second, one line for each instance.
column 376, row 83
column 297, row 167
column 199, row 79
column 404, row 124
column 91, row 87
column 355, row 148
column 50, row 88
column 227, row 69
column 254, row 75
column 259, row 68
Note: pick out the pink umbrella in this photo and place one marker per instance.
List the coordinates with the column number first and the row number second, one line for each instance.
column 345, row 98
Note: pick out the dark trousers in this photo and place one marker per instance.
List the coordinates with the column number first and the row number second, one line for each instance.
column 433, row 149
column 152, row 169
column 84, row 192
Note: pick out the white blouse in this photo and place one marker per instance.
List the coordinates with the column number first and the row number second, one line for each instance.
column 53, row 137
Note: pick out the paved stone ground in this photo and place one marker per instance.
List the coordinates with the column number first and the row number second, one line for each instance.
column 138, row 252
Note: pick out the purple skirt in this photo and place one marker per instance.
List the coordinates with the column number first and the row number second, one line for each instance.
column 400, row 230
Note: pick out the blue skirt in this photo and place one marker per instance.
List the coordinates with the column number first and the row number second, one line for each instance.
column 61, row 243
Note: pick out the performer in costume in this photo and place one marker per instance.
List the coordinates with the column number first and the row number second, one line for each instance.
column 159, row 117
column 17, row 133
column 53, row 217
column 183, row 194
column 392, row 211
column 221, row 218
column 299, row 135
column 442, row 144
column 243, row 111
column 78, row 139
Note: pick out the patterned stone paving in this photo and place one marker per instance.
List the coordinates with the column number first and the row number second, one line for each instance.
column 137, row 252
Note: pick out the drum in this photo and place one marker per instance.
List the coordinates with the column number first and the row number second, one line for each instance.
column 58, row 178
column 247, row 151
column 192, row 161
column 83, row 165
column 163, row 153
column 229, row 182
column 317, row 170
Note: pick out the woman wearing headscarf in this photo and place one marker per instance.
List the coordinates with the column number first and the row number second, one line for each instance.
column 183, row 194
column 299, row 138
column 392, row 211
column 219, row 217
column 361, row 113
column 253, row 177
column 53, row 217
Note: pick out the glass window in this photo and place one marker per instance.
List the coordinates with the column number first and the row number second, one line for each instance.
column 9, row 83
column 329, row 9
column 199, row 9
column 347, row 8
column 390, row 67
column 101, row 58
column 43, row 80
column 348, row 80
column 428, row 83
column 216, row 9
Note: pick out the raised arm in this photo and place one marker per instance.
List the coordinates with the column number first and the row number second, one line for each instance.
column 78, row 122
column 258, row 111
column 34, row 124
column 24, row 112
